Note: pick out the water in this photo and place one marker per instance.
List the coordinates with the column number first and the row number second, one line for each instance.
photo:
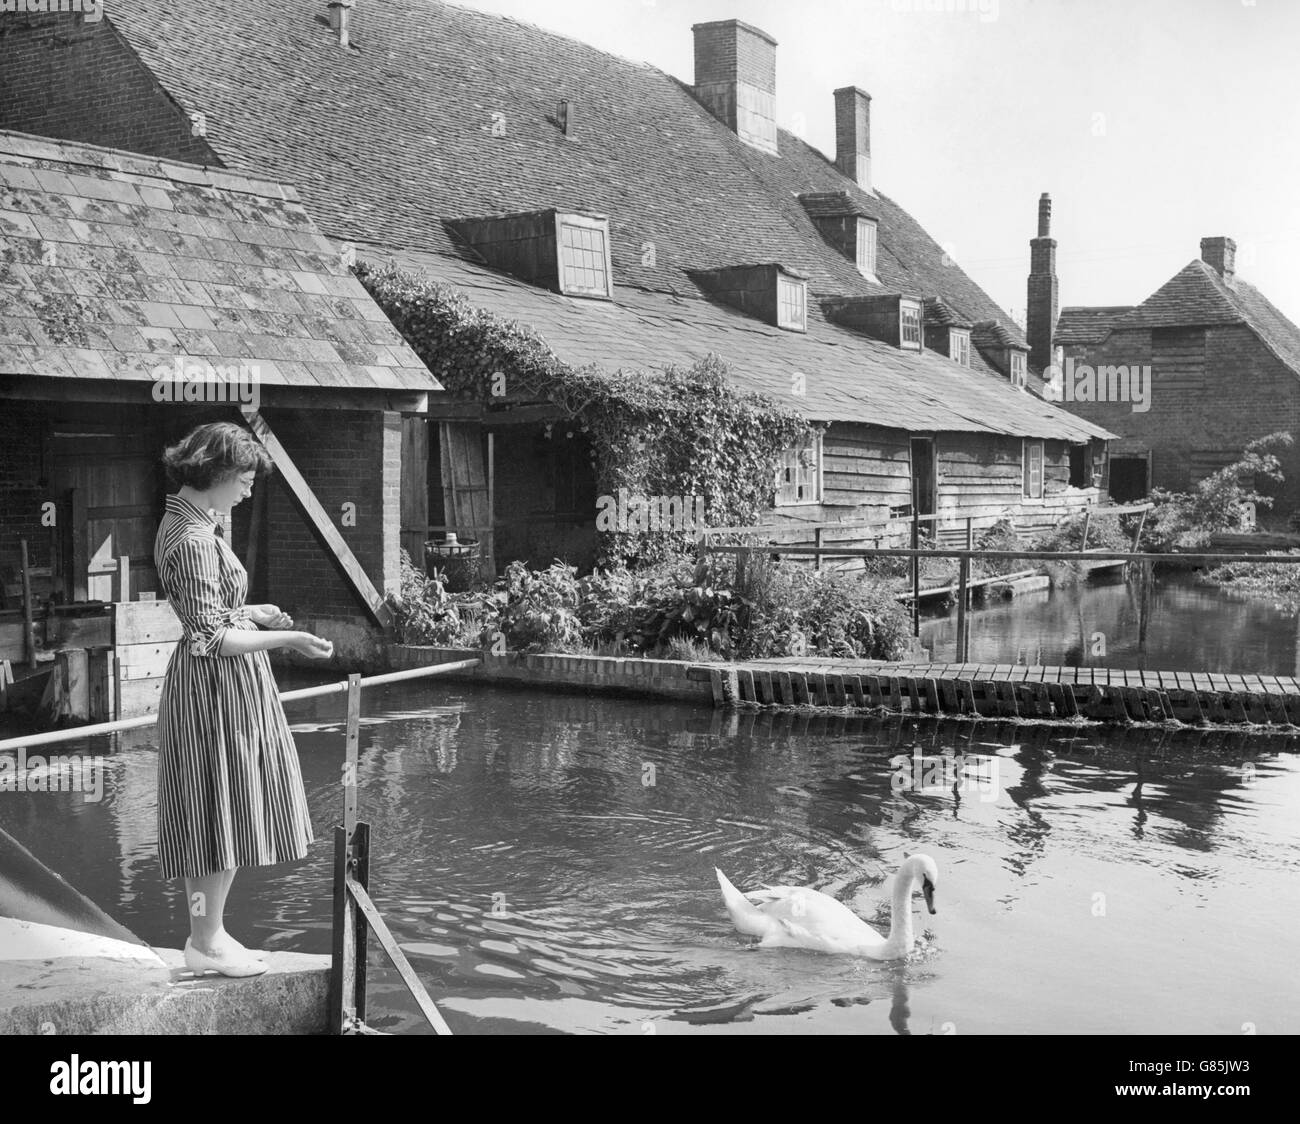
column 1123, row 882
column 1190, row 627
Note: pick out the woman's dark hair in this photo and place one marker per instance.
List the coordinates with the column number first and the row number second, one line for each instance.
column 211, row 453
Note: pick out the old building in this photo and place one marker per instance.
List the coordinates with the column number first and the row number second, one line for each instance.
column 1187, row 378
column 138, row 298
column 635, row 220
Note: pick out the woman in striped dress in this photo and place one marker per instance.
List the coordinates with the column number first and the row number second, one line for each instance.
column 230, row 793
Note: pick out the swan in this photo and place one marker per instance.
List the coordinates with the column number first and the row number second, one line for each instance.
column 791, row 917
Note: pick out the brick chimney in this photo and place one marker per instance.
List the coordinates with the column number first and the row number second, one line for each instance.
column 1043, row 306
column 735, row 79
column 853, row 134
column 1221, row 255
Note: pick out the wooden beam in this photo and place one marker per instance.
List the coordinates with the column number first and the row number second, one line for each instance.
column 140, row 392
column 320, row 521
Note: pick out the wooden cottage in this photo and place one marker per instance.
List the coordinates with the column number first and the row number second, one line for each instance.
column 138, row 298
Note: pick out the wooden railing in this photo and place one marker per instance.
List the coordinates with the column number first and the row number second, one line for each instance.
column 355, row 913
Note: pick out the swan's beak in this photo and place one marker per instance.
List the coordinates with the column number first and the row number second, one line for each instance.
column 927, row 888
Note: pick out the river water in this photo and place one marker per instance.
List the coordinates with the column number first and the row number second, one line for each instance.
column 1189, row 627
column 547, row 862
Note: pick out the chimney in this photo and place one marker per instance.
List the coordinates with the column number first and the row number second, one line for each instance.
column 567, row 116
column 341, row 19
column 1221, row 254
column 735, row 79
column 1043, row 305
column 853, row 134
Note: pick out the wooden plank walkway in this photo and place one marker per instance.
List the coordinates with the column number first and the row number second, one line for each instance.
column 1011, row 691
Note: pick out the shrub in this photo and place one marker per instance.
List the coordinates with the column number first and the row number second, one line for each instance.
column 540, row 613
column 1186, row 520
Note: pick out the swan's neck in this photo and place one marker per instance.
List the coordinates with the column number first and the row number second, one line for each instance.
column 900, row 920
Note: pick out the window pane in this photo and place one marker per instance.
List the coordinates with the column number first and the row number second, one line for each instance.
column 790, row 311
column 866, row 246
column 582, row 254
column 911, row 325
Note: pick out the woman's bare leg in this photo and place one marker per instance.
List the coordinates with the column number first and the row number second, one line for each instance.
column 205, row 899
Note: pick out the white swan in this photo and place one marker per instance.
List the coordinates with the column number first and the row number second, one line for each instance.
column 791, row 917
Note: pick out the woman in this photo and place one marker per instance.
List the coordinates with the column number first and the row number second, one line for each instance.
column 229, row 790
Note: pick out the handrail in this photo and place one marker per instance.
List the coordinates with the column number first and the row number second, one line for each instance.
column 77, row 732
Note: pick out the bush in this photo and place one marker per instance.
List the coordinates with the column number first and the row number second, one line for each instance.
column 540, row 613
column 1186, row 520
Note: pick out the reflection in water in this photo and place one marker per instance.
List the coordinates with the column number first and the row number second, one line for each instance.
column 1168, row 623
column 547, row 862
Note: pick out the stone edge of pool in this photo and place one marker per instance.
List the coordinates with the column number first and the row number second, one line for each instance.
column 915, row 688
column 101, row 995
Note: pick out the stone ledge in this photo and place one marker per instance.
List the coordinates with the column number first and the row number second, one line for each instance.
column 101, row 996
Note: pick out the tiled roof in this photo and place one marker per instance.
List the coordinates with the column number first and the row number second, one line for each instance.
column 993, row 334
column 1084, row 325
column 112, row 265
column 848, row 376
column 1196, row 295
column 939, row 311
column 833, row 204
column 388, row 140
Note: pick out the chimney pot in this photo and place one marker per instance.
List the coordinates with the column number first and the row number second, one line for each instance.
column 853, row 135
column 735, row 79
column 1043, row 304
column 1221, row 255
column 1044, row 215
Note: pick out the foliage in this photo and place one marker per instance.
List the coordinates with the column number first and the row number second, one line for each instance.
column 1186, row 520
column 1280, row 581
column 674, row 431
column 676, row 608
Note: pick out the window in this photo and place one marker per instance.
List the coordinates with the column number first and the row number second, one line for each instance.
column 584, row 257
column 909, row 325
column 867, row 247
column 1018, row 377
column 1033, row 461
column 799, row 478
column 959, row 346
column 791, row 304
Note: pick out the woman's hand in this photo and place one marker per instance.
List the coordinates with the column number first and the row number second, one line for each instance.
column 313, row 647
column 269, row 616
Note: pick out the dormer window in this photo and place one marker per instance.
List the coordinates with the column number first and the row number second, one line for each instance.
column 584, row 256
column 909, row 324
column 959, row 346
column 866, row 256
column 791, row 303
column 1018, row 372
column 564, row 251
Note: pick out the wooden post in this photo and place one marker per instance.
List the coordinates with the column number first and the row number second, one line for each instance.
column 29, row 622
column 123, row 590
column 970, row 533
column 916, row 576
column 963, row 645
column 491, row 567
column 740, row 568
column 1087, row 518
column 343, row 976
column 817, row 543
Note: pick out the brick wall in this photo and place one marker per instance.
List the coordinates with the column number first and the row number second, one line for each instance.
column 346, row 457
column 61, row 77
column 1244, row 392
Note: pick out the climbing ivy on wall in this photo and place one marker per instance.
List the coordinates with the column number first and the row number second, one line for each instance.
column 679, row 432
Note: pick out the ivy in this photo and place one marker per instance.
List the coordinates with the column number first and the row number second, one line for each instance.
column 668, row 432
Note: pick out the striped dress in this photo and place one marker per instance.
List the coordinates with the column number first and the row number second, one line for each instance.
column 230, row 791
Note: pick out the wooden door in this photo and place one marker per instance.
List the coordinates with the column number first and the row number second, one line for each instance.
column 113, row 482
column 925, row 490
column 464, row 484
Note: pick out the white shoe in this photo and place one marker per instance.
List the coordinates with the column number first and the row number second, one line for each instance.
column 229, row 965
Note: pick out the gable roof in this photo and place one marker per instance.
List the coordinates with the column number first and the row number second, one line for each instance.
column 390, row 140
column 1196, row 296
column 113, row 265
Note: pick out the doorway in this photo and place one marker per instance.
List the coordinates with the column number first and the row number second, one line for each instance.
column 925, row 490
